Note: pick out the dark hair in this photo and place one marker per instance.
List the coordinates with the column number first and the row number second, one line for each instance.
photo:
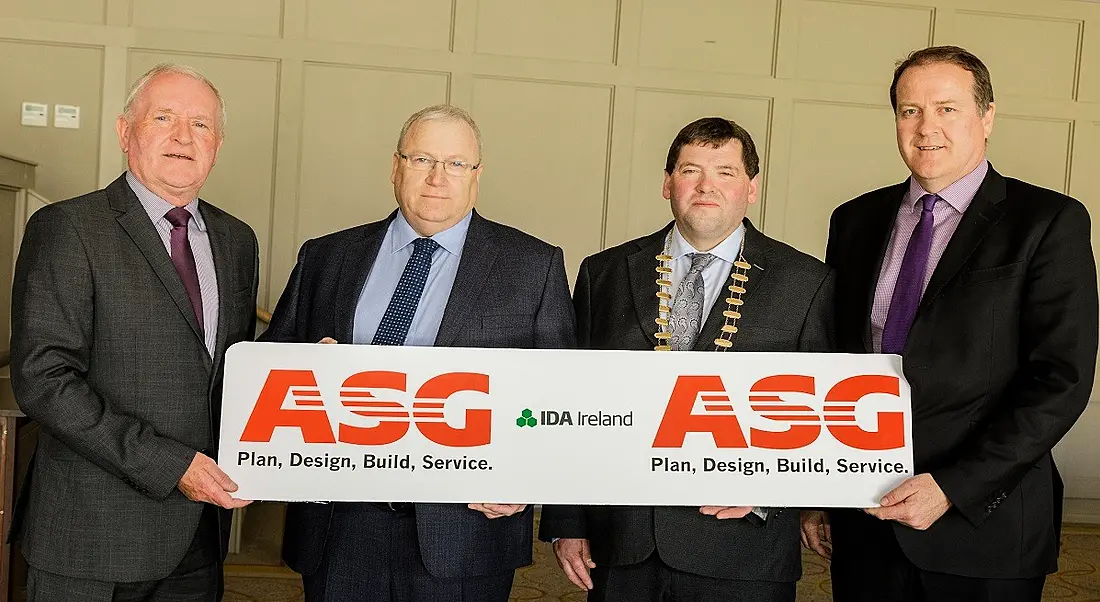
column 714, row 132
column 951, row 55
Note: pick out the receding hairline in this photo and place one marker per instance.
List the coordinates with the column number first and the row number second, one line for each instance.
column 957, row 56
column 972, row 93
column 168, row 68
column 443, row 113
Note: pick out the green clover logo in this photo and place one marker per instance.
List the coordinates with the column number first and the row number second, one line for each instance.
column 527, row 418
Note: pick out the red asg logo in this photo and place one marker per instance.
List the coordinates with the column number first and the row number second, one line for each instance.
column 766, row 397
column 355, row 394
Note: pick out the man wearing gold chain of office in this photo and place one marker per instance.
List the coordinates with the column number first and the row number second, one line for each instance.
column 709, row 281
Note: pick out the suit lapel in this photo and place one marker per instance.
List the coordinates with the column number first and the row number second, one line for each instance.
column 478, row 253
column 225, row 266
column 980, row 216
column 758, row 252
column 358, row 259
column 641, row 268
column 877, row 228
column 135, row 221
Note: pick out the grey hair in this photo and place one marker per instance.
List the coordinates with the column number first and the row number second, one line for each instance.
column 178, row 69
column 443, row 113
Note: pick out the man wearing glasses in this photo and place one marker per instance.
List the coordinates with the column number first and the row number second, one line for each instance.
column 432, row 273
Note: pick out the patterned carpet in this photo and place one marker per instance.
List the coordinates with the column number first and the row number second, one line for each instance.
column 256, row 575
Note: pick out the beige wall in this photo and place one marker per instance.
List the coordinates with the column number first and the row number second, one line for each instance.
column 9, row 203
column 578, row 100
column 58, row 74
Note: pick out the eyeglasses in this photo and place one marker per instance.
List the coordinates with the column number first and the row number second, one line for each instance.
column 454, row 167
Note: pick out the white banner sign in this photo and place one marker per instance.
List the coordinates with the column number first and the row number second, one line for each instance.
column 423, row 424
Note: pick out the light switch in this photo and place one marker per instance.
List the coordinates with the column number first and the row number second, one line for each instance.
column 66, row 116
column 34, row 114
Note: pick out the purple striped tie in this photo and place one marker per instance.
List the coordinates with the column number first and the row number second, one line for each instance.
column 184, row 259
column 907, row 291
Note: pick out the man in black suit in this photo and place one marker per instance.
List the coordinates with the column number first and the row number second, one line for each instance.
column 124, row 303
column 432, row 273
column 986, row 287
column 709, row 281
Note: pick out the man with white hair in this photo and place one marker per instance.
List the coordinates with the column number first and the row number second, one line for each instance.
column 432, row 273
column 124, row 303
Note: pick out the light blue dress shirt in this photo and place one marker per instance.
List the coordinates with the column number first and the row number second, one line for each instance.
column 716, row 274
column 715, row 277
column 396, row 249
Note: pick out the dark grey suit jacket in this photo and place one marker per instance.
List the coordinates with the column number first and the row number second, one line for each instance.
column 510, row 291
column 788, row 307
column 107, row 357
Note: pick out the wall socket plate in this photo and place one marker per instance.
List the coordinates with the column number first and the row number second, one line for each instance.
column 35, row 114
column 66, row 116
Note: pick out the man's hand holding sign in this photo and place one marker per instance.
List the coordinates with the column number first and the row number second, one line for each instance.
column 205, row 481
column 918, row 502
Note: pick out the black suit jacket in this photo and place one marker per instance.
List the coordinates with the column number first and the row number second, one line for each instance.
column 1000, row 358
column 108, row 358
column 510, row 291
column 788, row 307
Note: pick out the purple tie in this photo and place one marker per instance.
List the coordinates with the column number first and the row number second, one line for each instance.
column 184, row 259
column 907, row 291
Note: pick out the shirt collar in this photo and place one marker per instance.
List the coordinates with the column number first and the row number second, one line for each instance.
column 156, row 207
column 959, row 194
column 452, row 239
column 728, row 250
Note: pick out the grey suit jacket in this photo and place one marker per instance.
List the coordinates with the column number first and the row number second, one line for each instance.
column 107, row 357
column 788, row 307
column 510, row 291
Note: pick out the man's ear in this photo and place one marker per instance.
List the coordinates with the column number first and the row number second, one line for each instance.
column 987, row 120
column 754, row 188
column 122, row 127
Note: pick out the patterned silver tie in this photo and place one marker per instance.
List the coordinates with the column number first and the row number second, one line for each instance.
column 687, row 305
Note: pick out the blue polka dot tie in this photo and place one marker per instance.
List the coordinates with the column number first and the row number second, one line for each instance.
column 395, row 323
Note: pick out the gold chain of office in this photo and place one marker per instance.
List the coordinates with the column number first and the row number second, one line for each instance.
column 739, row 275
